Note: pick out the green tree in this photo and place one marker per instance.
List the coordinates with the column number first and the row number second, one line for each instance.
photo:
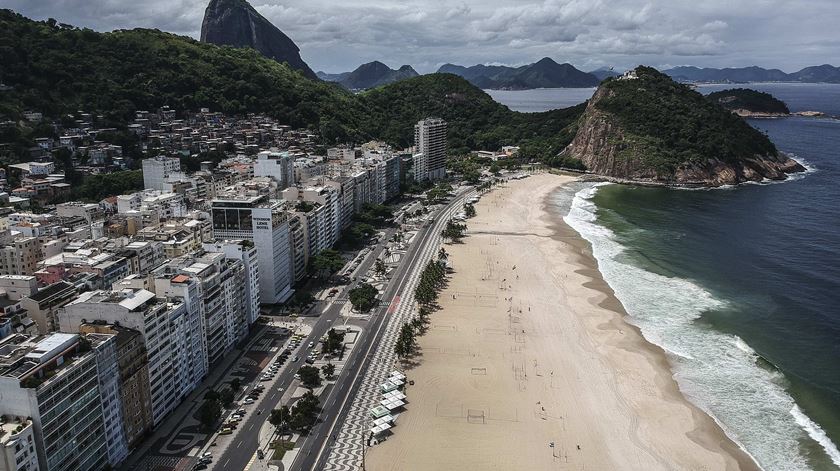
column 327, row 261
column 310, row 377
column 226, row 397
column 379, row 267
column 469, row 210
column 328, row 370
column 454, row 231
column 334, row 342
column 280, row 418
column 363, row 297
column 209, row 412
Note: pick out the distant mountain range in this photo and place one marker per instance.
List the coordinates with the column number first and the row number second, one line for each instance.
column 820, row 73
column 545, row 73
column 370, row 75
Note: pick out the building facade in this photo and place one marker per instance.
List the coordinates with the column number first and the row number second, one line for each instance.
column 257, row 219
column 430, row 143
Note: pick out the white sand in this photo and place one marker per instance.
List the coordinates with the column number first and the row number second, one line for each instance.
column 537, row 354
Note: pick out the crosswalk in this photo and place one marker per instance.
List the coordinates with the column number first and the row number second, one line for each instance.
column 346, row 454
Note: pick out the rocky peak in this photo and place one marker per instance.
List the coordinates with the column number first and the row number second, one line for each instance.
column 236, row 23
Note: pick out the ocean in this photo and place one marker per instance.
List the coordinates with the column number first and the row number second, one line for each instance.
column 740, row 286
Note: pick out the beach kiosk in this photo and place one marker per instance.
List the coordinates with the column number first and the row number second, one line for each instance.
column 379, row 411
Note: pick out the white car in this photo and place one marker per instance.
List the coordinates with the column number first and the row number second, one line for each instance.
column 311, row 344
column 248, row 401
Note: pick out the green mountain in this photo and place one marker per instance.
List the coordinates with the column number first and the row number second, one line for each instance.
column 645, row 127
column 58, row 69
column 370, row 75
column 546, row 73
column 746, row 102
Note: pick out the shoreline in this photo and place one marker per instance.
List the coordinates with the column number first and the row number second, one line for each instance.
column 614, row 403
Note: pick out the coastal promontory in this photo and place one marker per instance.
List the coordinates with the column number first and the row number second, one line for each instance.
column 643, row 127
column 750, row 103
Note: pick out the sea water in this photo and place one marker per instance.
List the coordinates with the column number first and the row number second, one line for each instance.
column 740, row 286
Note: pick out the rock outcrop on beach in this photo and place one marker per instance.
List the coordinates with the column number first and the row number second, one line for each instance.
column 643, row 127
column 236, row 23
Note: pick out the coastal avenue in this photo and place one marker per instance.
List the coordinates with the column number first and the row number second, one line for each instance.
column 337, row 397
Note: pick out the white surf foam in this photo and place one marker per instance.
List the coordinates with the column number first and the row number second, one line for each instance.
column 817, row 433
column 716, row 371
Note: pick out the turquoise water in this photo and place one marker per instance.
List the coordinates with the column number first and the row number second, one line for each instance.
column 741, row 287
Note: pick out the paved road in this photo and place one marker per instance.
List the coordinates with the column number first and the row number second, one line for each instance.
column 336, row 398
column 244, row 446
column 316, row 447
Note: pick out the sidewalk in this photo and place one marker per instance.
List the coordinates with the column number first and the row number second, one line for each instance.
column 183, row 412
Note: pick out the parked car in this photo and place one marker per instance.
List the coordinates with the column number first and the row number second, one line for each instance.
column 248, row 400
column 295, row 359
column 297, row 376
column 226, row 431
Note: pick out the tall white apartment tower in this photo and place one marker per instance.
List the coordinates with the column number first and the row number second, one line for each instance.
column 263, row 222
column 277, row 165
column 430, row 144
column 159, row 171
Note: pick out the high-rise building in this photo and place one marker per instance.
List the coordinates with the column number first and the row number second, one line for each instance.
column 245, row 251
column 56, row 381
column 430, row 143
column 17, row 445
column 263, row 222
column 159, row 171
column 277, row 165
column 132, row 375
column 222, row 293
column 171, row 334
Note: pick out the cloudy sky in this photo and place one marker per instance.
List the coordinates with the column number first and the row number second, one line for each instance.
column 338, row 35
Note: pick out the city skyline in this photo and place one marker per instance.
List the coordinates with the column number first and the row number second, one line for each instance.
column 426, row 35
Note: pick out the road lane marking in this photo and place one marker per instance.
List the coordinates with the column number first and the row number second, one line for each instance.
column 398, row 288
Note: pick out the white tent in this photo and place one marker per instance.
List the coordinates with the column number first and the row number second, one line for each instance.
column 397, row 375
column 385, row 419
column 379, row 429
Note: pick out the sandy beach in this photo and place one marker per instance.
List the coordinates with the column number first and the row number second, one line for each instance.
column 530, row 348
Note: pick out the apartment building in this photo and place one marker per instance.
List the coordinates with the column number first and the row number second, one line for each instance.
column 169, row 331
column 276, row 165
column 263, row 222
column 17, row 445
column 221, row 282
column 244, row 251
column 160, row 171
column 430, row 144
column 54, row 380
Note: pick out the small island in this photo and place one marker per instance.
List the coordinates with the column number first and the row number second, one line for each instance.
column 750, row 103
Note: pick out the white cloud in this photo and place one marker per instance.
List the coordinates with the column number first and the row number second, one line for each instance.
column 338, row 36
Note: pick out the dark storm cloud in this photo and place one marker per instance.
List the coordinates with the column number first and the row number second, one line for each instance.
column 337, row 36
